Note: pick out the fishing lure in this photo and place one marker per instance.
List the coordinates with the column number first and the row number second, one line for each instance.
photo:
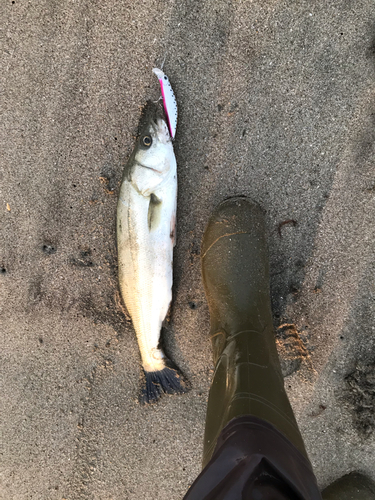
column 169, row 101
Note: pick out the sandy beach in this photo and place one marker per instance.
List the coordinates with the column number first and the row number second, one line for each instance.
column 276, row 102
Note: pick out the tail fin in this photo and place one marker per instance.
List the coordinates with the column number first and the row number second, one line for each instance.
column 167, row 381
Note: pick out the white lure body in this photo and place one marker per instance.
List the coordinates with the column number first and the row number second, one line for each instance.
column 169, row 100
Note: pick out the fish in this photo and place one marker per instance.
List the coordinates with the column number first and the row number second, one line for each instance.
column 146, row 236
column 169, row 101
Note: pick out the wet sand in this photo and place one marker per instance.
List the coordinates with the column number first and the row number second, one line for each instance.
column 276, row 102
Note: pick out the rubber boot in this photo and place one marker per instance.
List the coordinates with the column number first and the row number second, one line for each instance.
column 247, row 378
column 353, row 486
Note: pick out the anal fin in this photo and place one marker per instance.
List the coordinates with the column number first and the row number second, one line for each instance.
column 173, row 229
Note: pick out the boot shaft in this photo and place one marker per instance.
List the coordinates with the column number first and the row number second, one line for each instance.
column 235, row 271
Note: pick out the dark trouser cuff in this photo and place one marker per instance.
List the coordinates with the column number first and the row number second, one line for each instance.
column 252, row 459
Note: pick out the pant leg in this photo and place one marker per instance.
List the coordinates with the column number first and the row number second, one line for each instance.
column 253, row 460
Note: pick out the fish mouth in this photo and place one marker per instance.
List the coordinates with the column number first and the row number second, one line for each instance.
column 153, row 119
column 162, row 131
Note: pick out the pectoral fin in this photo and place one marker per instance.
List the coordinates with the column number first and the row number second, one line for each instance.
column 154, row 212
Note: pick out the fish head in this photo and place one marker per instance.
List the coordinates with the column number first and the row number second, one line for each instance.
column 154, row 141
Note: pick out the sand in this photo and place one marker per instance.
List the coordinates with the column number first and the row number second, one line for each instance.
column 276, row 102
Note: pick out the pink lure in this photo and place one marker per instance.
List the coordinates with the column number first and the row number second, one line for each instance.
column 169, row 101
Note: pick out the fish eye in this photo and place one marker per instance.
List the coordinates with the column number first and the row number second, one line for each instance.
column 165, row 78
column 147, row 141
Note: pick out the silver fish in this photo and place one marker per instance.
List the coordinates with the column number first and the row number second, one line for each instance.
column 146, row 229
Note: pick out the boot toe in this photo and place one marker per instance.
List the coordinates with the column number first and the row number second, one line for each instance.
column 238, row 215
column 235, row 266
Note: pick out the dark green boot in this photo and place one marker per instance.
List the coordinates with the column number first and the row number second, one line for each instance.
column 247, row 379
column 353, row 486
